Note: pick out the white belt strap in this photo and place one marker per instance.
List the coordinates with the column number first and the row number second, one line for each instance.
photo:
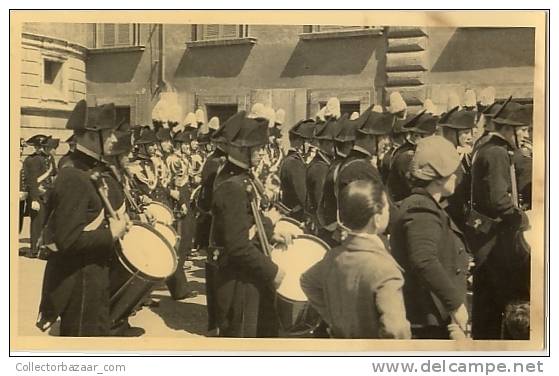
column 45, row 175
column 94, row 225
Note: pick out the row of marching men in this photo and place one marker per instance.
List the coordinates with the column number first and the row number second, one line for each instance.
column 114, row 185
column 464, row 196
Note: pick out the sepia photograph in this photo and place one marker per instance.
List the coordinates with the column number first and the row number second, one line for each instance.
column 303, row 180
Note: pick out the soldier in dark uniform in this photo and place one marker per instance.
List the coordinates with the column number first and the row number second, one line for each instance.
column 502, row 273
column 399, row 109
column 76, row 283
column 39, row 173
column 456, row 126
column 213, row 164
column 293, row 172
column 23, row 192
column 245, row 277
column 164, row 149
column 421, row 125
column 317, row 169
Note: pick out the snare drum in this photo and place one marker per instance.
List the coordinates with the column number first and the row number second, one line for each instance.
column 296, row 316
column 168, row 232
column 143, row 259
column 290, row 225
column 161, row 213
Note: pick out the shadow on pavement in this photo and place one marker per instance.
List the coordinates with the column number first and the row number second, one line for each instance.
column 179, row 315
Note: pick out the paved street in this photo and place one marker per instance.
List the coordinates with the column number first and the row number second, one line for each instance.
column 185, row 318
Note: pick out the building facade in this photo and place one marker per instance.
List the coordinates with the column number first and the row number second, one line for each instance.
column 227, row 68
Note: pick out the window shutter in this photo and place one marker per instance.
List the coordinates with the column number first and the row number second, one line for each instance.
column 124, row 34
column 211, row 32
column 109, row 36
column 230, row 31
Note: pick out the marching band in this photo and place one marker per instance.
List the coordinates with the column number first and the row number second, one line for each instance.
column 383, row 224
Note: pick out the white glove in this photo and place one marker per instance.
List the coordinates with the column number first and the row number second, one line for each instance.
column 284, row 237
column 145, row 200
column 460, row 317
column 118, row 227
column 35, row 205
column 175, row 194
column 274, row 215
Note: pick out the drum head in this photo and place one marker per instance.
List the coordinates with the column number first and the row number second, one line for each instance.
column 290, row 225
column 305, row 251
column 168, row 232
column 147, row 251
column 161, row 213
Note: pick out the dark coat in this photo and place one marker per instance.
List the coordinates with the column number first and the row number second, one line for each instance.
column 244, row 279
column 458, row 203
column 316, row 176
column 397, row 183
column 76, row 284
column 204, row 201
column 293, row 178
column 432, row 251
column 502, row 274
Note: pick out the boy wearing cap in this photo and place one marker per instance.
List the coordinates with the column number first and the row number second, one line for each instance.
column 430, row 247
column 495, row 198
column 76, row 282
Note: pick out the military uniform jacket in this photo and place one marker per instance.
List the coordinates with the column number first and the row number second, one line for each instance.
column 397, row 184
column 144, row 175
column 432, row 251
column 293, row 176
column 80, row 267
column 458, row 202
column 39, row 171
column 244, row 273
column 328, row 207
column 491, row 178
column 316, row 176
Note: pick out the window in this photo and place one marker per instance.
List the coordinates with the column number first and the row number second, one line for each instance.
column 222, row 111
column 216, row 32
column 123, row 115
column 116, row 35
column 52, row 72
column 346, row 107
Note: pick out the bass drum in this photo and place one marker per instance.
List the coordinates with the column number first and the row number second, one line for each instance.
column 143, row 260
column 168, row 232
column 161, row 213
column 296, row 317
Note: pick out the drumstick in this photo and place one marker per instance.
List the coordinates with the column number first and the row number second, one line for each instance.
column 102, row 189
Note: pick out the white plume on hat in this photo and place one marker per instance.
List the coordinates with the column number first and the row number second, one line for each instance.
column 487, row 96
column 270, row 115
column 257, row 111
column 397, row 103
column 377, row 108
column 470, row 99
column 190, row 120
column 429, row 106
column 453, row 101
column 200, row 116
column 280, row 116
column 214, row 123
column 354, row 115
column 333, row 108
column 320, row 114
